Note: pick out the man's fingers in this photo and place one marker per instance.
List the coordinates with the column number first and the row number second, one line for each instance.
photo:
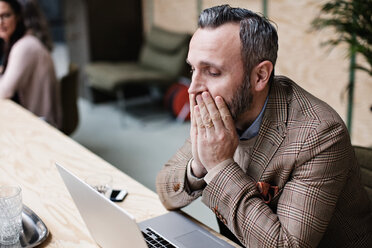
column 204, row 114
column 199, row 122
column 208, row 124
column 214, row 114
column 225, row 113
column 193, row 121
column 192, row 101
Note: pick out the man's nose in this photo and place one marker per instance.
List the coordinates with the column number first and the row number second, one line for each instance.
column 197, row 84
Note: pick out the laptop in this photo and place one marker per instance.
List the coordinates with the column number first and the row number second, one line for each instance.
column 111, row 226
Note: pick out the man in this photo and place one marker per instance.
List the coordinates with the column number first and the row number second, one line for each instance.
column 274, row 163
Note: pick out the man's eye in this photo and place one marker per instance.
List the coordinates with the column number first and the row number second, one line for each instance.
column 192, row 71
column 214, row 74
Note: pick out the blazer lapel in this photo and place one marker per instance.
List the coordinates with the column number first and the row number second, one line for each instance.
column 272, row 131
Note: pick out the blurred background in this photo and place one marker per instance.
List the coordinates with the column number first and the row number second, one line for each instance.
column 139, row 138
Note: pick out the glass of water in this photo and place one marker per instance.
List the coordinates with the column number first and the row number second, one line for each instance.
column 10, row 214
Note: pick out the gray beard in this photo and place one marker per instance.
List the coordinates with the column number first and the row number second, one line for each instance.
column 241, row 100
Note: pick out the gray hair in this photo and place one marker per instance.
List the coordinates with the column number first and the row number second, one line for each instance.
column 258, row 36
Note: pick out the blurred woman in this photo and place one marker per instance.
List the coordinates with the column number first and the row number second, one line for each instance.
column 28, row 75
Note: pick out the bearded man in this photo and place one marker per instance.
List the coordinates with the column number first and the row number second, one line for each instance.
column 274, row 163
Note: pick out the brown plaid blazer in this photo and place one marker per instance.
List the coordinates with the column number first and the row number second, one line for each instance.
column 303, row 151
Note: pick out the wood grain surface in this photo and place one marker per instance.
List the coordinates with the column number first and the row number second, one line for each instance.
column 29, row 149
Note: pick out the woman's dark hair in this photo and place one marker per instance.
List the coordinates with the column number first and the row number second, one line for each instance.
column 29, row 18
column 19, row 31
column 35, row 21
column 258, row 36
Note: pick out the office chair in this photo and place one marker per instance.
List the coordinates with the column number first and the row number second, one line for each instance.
column 69, row 97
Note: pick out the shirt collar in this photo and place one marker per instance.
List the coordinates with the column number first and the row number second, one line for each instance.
column 253, row 129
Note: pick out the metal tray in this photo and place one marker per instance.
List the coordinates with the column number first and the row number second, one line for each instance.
column 34, row 232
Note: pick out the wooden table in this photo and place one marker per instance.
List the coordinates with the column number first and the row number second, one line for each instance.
column 29, row 148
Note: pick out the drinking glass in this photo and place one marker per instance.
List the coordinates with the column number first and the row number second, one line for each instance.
column 101, row 182
column 10, row 214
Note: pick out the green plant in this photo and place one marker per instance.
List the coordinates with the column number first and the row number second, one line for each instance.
column 352, row 21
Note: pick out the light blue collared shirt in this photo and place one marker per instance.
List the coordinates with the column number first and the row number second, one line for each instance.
column 253, row 129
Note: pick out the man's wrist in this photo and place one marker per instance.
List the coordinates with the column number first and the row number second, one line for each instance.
column 194, row 183
column 197, row 170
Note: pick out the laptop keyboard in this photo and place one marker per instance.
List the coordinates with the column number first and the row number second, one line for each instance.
column 153, row 239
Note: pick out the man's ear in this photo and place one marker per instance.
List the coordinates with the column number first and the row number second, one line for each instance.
column 260, row 75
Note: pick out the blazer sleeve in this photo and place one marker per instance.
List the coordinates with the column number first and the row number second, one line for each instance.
column 307, row 200
column 171, row 183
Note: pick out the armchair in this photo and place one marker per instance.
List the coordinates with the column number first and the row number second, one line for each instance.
column 161, row 62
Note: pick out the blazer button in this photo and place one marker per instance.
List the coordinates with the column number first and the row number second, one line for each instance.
column 215, row 209
column 176, row 187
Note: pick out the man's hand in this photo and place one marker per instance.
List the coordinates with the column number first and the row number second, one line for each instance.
column 214, row 138
column 197, row 167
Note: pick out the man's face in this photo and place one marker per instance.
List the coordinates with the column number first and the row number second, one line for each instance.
column 217, row 66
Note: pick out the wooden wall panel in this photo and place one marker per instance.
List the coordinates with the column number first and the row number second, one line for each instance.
column 323, row 71
column 180, row 15
column 301, row 57
column 254, row 5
